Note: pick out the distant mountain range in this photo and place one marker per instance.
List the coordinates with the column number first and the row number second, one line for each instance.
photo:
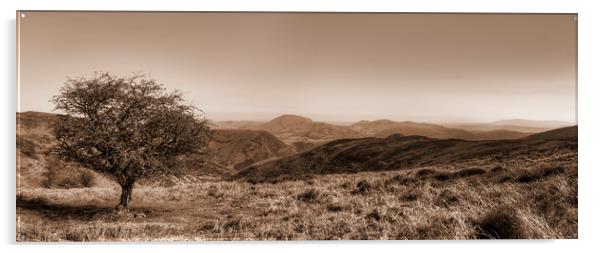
column 519, row 125
column 383, row 128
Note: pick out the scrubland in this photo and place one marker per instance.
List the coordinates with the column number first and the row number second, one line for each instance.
column 514, row 199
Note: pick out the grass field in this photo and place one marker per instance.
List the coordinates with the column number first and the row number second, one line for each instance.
column 459, row 201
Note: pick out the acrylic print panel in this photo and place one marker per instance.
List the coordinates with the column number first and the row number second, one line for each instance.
column 167, row 126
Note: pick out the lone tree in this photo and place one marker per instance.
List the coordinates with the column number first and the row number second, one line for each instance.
column 126, row 127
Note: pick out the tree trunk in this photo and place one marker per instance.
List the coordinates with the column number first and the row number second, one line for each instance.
column 126, row 197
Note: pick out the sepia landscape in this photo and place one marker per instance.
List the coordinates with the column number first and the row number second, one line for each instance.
column 138, row 157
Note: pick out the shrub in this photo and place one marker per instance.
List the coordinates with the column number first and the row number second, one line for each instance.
column 501, row 223
column 362, row 187
column 470, row 172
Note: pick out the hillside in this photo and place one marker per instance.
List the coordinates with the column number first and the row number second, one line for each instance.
column 402, row 152
column 239, row 148
column 293, row 128
column 231, row 149
column 383, row 128
column 556, row 134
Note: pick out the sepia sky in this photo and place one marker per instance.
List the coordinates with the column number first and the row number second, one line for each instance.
column 327, row 66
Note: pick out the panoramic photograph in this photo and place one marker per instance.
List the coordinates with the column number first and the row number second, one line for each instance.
column 229, row 126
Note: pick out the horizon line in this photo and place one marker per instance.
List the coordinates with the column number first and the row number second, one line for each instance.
column 267, row 119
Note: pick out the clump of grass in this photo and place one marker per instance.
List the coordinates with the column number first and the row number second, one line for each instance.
column 500, row 223
column 446, row 175
column 374, row 215
column 498, row 169
column 309, row 196
column 437, row 228
column 553, row 203
column 206, row 227
column 336, row 207
column 424, row 172
column 447, row 198
column 212, row 191
column 87, row 178
column 345, row 185
column 546, row 172
column 506, row 178
column 402, row 180
column 469, row 172
column 443, row 176
column 362, row 187
column 534, row 175
column 409, row 196
column 233, row 224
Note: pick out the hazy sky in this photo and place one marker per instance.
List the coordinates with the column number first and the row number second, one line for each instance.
column 330, row 67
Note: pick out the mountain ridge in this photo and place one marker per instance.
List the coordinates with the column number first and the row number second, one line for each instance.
column 292, row 129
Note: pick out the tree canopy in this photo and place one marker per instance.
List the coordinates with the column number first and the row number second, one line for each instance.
column 126, row 127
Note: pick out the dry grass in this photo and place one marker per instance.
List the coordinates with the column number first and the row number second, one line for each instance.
column 406, row 204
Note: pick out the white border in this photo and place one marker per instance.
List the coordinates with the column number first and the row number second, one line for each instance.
column 590, row 168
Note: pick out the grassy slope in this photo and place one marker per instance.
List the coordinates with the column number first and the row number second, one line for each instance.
column 401, row 152
column 231, row 149
column 410, row 204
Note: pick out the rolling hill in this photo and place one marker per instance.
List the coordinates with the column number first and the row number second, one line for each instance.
column 383, row 128
column 239, row 148
column 565, row 133
column 300, row 132
column 400, row 152
column 230, row 150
